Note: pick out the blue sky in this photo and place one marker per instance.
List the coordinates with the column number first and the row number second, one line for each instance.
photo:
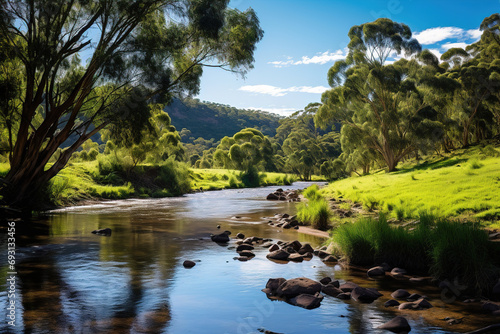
column 303, row 39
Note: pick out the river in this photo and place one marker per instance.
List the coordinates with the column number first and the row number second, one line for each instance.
column 72, row 281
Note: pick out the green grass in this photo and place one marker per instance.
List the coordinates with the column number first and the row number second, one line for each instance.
column 445, row 249
column 212, row 179
column 316, row 211
column 463, row 185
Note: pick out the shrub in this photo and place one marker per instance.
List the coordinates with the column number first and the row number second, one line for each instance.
column 312, row 192
column 250, row 178
column 173, row 176
column 316, row 213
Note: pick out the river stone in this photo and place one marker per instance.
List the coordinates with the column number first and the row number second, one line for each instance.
column 243, row 247
column 397, row 325
column 189, row 264
column 286, row 225
column 331, row 290
column 496, row 291
column 272, row 197
column 306, row 248
column 322, row 254
column 413, row 297
column 296, row 245
column 391, row 303
column 422, row 303
column 307, row 301
column 247, row 253
column 290, row 250
column 490, row 307
column 240, row 236
column 400, row 294
column 330, row 259
column 273, row 284
column 348, row 286
column 386, row 267
column 398, row 272
column 407, row 306
column 297, row 286
column 248, row 241
column 308, row 256
column 325, row 280
column 280, row 255
column 266, row 244
column 344, row 296
column 105, row 232
column 274, row 247
column 296, row 257
column 243, row 258
column 364, row 295
column 376, row 272
column 220, row 238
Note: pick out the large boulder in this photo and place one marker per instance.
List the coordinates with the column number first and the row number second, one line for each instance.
column 397, row 325
column 298, row 286
column 306, row 248
column 279, row 255
column 307, row 301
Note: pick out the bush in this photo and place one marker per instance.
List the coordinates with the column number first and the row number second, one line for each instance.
column 312, row 193
column 316, row 213
column 250, row 178
column 173, row 176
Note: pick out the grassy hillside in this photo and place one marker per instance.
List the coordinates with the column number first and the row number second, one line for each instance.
column 464, row 184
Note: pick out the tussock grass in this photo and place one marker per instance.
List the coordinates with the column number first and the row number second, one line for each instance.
column 465, row 185
column 445, row 249
column 316, row 211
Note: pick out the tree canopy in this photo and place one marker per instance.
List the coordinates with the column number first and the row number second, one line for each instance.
column 88, row 65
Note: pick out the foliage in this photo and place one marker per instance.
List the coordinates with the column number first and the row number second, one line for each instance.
column 430, row 247
column 316, row 211
column 135, row 55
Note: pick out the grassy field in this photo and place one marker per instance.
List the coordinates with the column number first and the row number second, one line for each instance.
column 464, row 184
column 212, row 179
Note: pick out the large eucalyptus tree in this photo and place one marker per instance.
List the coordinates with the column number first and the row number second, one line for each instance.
column 377, row 101
column 87, row 65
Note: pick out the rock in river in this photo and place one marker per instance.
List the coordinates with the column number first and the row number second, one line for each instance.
column 376, row 272
column 397, row 325
column 400, row 294
column 189, row 264
column 220, row 238
column 307, row 301
column 297, row 286
column 105, row 232
column 279, row 255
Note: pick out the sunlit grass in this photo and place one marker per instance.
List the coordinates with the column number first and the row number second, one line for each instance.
column 465, row 185
column 211, row 179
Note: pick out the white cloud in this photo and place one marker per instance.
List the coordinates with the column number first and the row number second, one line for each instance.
column 448, row 46
column 280, row 111
column 474, row 33
column 434, row 35
column 277, row 91
column 320, row 58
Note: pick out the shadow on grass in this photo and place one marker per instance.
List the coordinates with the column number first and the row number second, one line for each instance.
column 445, row 162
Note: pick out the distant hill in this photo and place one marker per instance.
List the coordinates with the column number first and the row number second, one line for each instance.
column 212, row 120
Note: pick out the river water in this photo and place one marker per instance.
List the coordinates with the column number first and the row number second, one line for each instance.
column 72, row 281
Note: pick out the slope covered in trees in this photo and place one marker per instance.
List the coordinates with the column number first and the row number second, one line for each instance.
column 213, row 120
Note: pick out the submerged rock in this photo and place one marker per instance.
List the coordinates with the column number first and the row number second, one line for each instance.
column 364, row 295
column 104, row 232
column 221, row 238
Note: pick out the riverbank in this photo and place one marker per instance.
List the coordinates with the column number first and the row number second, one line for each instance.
column 463, row 184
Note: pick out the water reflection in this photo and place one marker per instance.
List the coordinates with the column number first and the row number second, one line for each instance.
column 71, row 281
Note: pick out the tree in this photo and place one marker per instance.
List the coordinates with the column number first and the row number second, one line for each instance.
column 248, row 148
column 377, row 103
column 136, row 52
